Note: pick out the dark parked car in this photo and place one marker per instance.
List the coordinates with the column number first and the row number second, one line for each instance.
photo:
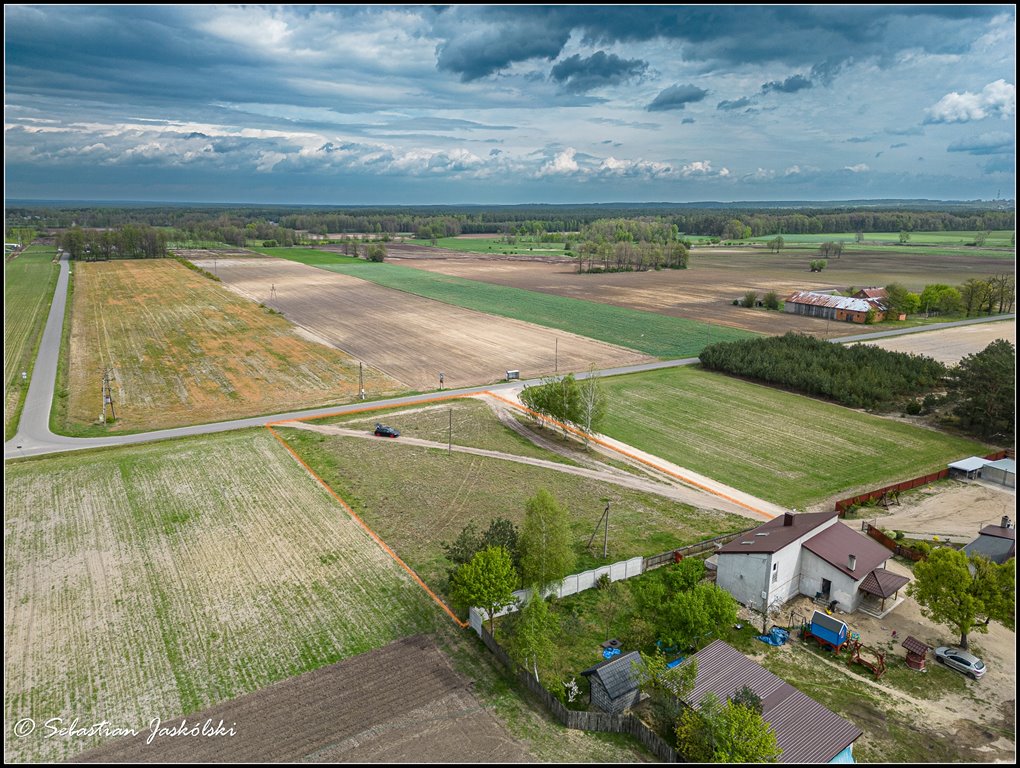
column 381, row 431
column 961, row 661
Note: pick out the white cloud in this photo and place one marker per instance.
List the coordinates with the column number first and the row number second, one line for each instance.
column 859, row 168
column 562, row 163
column 996, row 99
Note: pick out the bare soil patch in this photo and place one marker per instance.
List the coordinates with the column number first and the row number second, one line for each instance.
column 399, row 704
column 715, row 278
column 950, row 509
column 410, row 338
column 950, row 345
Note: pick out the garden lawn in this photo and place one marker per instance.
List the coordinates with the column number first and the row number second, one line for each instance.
column 782, row 447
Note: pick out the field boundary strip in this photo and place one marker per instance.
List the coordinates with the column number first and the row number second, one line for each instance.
column 632, row 456
column 375, row 537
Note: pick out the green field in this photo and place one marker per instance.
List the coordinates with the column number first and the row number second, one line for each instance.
column 158, row 579
column 29, row 281
column 416, row 498
column 782, row 447
column 996, row 239
column 310, row 256
column 521, row 247
column 648, row 332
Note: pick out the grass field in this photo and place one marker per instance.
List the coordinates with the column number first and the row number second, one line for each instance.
column 495, row 244
column 996, row 239
column 416, row 498
column 309, row 256
column 185, row 350
column 29, row 281
column 155, row 580
column 659, row 335
column 782, row 447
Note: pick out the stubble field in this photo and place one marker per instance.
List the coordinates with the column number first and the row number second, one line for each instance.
column 157, row 580
column 184, row 350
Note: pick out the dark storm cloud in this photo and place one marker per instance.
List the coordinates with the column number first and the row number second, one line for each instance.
column 985, row 144
column 481, row 40
column 676, row 97
column 579, row 75
column 732, row 104
column 789, row 85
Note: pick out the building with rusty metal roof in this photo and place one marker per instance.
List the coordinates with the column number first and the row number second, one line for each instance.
column 806, row 731
column 811, row 554
column 850, row 309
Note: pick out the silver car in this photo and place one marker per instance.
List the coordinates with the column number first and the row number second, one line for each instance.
column 961, row 661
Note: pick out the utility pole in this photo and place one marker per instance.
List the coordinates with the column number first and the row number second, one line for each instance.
column 108, row 394
column 361, row 379
column 605, row 537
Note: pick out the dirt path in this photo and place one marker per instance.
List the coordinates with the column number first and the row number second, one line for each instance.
column 606, row 474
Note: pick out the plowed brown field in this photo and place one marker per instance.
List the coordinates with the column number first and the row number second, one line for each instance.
column 715, row 278
column 183, row 351
column 401, row 704
column 410, row 338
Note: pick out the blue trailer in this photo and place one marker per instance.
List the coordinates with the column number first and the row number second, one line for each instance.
column 829, row 631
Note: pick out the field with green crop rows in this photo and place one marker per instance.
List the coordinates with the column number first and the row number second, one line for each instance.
column 309, row 256
column 432, row 495
column 996, row 239
column 154, row 580
column 521, row 246
column 782, row 447
column 659, row 335
column 29, row 281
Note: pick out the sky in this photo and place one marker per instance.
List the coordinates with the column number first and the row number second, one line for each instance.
column 416, row 105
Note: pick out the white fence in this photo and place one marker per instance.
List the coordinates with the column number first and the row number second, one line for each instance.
column 571, row 585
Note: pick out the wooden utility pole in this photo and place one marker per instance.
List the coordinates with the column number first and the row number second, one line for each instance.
column 605, row 537
column 108, row 394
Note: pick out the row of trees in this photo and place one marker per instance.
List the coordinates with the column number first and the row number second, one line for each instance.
column 730, row 222
column 128, row 242
column 988, row 296
column 625, row 245
column 859, row 376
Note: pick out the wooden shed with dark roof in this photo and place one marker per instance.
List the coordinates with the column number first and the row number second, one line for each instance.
column 806, row 731
column 614, row 683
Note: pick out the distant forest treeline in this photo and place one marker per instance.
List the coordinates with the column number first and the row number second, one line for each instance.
column 235, row 225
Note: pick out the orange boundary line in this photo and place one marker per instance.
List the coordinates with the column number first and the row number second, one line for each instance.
column 385, row 547
column 611, row 447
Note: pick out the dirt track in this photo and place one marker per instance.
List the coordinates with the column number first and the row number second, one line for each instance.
column 399, row 704
column 408, row 337
column 601, row 472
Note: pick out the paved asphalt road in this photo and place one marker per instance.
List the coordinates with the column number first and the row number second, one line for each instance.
column 34, row 437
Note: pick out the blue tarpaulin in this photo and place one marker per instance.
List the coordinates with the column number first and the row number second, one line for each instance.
column 778, row 636
column 608, row 653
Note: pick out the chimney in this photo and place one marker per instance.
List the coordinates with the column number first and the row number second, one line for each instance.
column 788, row 519
column 1006, row 523
column 853, row 562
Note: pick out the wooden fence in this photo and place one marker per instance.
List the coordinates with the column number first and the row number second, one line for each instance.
column 583, row 721
column 674, row 555
column 890, row 544
column 844, row 505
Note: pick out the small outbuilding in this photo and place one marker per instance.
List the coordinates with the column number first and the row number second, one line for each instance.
column 614, row 683
column 916, row 652
column 1002, row 471
column 967, row 469
column 996, row 542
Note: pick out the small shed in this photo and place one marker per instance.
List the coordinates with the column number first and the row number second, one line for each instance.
column 967, row 469
column 916, row 651
column 614, row 683
column 828, row 631
column 1002, row 471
